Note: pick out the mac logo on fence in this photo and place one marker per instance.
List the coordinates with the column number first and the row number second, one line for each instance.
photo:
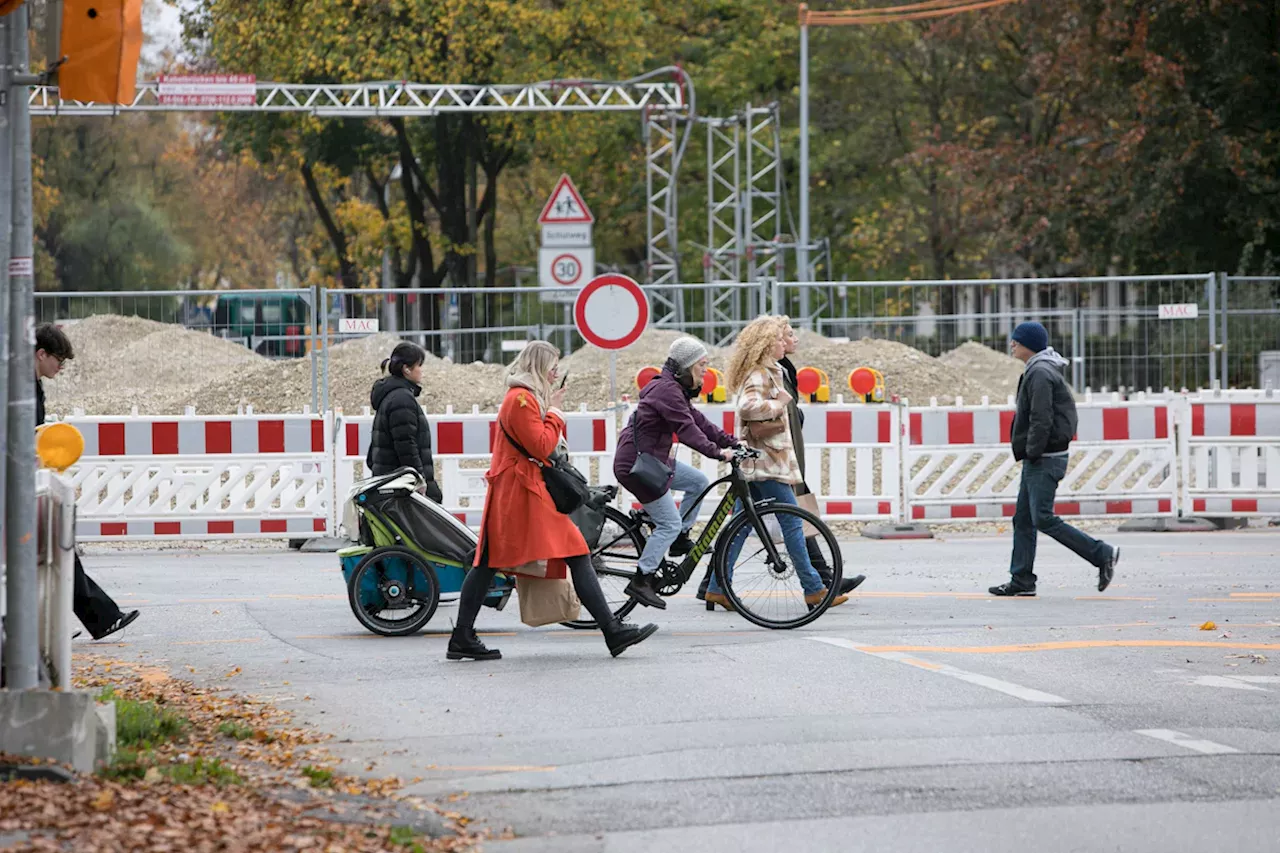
column 1180, row 311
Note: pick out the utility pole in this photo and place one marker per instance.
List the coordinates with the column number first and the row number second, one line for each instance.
column 23, row 649
column 6, row 210
column 802, row 250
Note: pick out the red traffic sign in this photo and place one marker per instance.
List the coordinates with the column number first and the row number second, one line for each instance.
column 611, row 312
column 565, row 206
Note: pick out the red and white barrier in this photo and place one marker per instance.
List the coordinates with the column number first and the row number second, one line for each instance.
column 959, row 465
column 460, row 441
column 1230, row 455
column 241, row 477
column 843, row 443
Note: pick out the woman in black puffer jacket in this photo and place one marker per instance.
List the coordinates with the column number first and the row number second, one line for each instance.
column 401, row 436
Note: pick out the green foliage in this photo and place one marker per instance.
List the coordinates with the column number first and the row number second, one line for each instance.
column 130, row 765
column 319, row 777
column 143, row 724
column 235, row 731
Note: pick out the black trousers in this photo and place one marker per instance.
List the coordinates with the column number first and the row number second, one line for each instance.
column 475, row 586
column 96, row 610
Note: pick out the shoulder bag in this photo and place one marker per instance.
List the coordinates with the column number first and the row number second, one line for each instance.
column 566, row 484
column 648, row 471
column 759, row 431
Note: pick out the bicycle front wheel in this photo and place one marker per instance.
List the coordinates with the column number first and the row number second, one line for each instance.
column 766, row 588
column 615, row 559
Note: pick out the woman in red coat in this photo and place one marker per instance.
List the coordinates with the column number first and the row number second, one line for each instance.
column 521, row 531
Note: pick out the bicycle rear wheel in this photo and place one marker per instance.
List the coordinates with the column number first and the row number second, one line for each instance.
column 769, row 593
column 615, row 558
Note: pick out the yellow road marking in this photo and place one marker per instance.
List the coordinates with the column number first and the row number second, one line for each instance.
column 1234, row 600
column 1113, row 598
column 918, row 595
column 432, row 635
column 1070, row 644
column 922, row 664
column 1254, row 594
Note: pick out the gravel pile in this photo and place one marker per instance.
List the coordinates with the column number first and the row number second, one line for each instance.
column 995, row 370
column 162, row 369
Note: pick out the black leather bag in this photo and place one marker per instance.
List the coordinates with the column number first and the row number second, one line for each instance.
column 650, row 472
column 566, row 484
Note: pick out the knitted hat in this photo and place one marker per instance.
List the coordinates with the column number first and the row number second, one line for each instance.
column 686, row 352
column 1032, row 336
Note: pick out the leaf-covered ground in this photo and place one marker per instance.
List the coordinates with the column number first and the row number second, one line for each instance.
column 200, row 770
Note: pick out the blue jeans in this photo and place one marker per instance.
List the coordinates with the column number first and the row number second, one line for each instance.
column 1035, row 513
column 667, row 519
column 792, row 535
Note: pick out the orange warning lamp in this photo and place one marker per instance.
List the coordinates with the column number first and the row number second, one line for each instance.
column 101, row 40
column 813, row 383
column 58, row 446
column 7, row 6
column 646, row 375
column 713, row 386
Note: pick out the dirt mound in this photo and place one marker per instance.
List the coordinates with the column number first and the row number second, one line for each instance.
column 909, row 373
column 589, row 367
column 991, row 369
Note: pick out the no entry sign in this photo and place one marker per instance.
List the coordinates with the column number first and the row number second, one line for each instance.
column 611, row 312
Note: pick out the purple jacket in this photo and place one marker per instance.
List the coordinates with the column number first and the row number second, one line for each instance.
column 664, row 409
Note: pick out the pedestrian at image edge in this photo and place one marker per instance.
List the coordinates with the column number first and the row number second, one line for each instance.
column 95, row 609
column 1043, row 426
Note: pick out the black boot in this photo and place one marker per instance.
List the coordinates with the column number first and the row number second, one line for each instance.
column 620, row 636
column 683, row 545
column 644, row 590
column 463, row 645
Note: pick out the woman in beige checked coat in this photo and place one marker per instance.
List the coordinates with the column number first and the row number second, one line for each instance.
column 762, row 422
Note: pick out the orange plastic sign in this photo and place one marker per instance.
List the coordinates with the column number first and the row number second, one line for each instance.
column 808, row 380
column 862, row 381
column 7, row 6
column 646, row 375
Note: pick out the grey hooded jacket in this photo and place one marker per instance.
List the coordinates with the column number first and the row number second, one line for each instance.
column 1045, row 421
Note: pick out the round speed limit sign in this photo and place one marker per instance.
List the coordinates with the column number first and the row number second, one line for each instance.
column 566, row 269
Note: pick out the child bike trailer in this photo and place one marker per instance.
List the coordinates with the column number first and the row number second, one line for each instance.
column 411, row 550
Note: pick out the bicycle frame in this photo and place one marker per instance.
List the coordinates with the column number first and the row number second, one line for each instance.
column 738, row 490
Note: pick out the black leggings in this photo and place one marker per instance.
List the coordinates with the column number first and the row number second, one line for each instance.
column 477, row 582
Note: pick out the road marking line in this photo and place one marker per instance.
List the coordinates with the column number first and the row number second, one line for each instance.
column 1258, row 679
column 1227, row 682
column 1006, row 687
column 1207, row 747
column 1237, row 600
column 918, row 595
column 1069, row 644
column 1254, row 594
column 428, row 635
column 1114, row 598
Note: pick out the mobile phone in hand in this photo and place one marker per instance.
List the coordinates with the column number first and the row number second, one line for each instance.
column 563, row 379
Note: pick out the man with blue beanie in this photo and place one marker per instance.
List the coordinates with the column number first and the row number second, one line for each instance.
column 1043, row 426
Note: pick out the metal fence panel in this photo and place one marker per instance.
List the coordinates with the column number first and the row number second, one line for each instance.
column 1250, row 330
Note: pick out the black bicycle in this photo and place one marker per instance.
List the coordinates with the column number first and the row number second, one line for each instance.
column 761, row 583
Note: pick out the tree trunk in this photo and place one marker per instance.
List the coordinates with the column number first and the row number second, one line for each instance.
column 347, row 272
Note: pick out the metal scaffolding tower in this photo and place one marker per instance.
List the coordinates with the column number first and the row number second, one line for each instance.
column 763, row 203
column 662, row 265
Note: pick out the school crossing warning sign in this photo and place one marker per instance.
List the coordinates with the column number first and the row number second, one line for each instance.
column 566, row 206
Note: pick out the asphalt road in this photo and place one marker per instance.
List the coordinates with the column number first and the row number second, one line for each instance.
column 922, row 716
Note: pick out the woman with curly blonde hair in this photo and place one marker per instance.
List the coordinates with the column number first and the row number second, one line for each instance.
column 762, row 422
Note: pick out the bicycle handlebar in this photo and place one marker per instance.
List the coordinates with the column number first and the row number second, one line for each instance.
column 742, row 452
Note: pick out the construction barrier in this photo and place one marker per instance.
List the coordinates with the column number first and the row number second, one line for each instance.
column 286, row 476
column 1123, row 464
column 1230, row 456
column 844, row 444
column 461, row 444
column 233, row 477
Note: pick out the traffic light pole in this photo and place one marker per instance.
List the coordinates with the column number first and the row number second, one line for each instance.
column 22, row 650
column 6, row 192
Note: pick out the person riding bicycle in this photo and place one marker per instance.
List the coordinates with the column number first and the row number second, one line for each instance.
column 644, row 464
column 763, row 423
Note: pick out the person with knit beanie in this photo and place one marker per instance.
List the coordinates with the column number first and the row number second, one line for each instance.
column 645, row 466
column 1043, row 426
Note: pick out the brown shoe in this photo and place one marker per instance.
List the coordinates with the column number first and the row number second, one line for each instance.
column 816, row 598
column 714, row 598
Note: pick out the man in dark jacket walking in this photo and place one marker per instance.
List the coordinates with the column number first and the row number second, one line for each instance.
column 96, row 610
column 401, row 436
column 1043, row 426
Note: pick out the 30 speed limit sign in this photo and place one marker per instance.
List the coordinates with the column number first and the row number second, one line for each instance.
column 570, row 268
